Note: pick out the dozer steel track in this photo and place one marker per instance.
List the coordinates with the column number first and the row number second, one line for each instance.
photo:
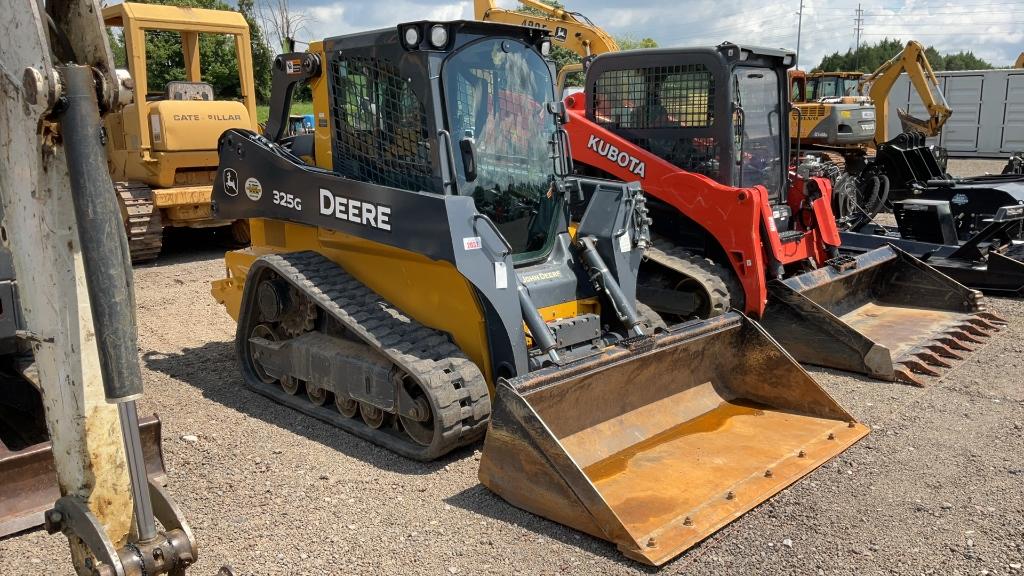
column 883, row 313
column 143, row 222
column 657, row 444
column 454, row 387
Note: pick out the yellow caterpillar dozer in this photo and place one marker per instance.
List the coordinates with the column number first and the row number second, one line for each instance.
column 424, row 271
column 162, row 147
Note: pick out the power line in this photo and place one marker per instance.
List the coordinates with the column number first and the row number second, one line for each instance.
column 799, row 26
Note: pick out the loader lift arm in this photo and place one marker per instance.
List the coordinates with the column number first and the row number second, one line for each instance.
column 879, row 83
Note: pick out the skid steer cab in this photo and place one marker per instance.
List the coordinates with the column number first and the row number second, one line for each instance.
column 705, row 131
column 415, row 278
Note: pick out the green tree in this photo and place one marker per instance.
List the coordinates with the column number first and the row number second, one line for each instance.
column 628, row 42
column 262, row 57
column 870, row 56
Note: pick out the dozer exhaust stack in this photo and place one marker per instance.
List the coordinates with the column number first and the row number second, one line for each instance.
column 883, row 313
column 657, row 446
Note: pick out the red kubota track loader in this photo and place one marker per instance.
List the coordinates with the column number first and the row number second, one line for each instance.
column 705, row 131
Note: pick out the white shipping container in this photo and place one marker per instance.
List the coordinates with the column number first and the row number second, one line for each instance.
column 988, row 111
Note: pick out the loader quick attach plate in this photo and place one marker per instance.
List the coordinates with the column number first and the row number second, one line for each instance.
column 889, row 316
column 28, row 479
column 656, row 450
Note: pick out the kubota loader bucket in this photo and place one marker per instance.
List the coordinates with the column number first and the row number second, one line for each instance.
column 883, row 313
column 655, row 449
column 28, row 480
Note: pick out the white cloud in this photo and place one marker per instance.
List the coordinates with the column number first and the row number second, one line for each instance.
column 989, row 29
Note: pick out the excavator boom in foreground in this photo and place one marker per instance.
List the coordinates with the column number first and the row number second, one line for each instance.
column 424, row 269
column 73, row 355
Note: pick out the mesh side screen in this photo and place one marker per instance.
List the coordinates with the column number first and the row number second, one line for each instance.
column 380, row 126
column 655, row 97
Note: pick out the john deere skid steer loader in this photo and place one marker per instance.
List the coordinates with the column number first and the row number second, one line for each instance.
column 415, row 278
column 704, row 131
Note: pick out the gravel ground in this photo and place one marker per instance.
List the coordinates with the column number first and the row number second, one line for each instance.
column 974, row 167
column 936, row 488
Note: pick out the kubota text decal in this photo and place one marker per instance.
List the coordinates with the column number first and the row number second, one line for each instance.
column 623, row 159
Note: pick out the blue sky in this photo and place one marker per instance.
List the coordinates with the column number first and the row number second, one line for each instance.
column 993, row 29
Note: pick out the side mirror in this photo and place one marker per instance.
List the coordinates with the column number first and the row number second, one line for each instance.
column 557, row 108
column 468, row 158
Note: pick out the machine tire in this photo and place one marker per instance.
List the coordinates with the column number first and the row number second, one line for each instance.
column 142, row 221
column 240, row 234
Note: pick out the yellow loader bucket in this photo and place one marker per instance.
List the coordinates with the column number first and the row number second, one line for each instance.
column 656, row 448
column 883, row 313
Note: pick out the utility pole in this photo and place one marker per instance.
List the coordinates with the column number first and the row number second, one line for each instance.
column 799, row 29
column 858, row 28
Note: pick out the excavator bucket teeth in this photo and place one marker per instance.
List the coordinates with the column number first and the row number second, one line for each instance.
column 883, row 316
column 28, row 480
column 911, row 123
column 657, row 448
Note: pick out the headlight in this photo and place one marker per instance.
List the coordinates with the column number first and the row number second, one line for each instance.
column 438, row 36
column 412, row 36
column 545, row 47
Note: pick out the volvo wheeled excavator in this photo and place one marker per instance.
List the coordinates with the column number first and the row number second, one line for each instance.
column 417, row 277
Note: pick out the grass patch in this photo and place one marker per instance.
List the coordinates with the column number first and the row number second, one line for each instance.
column 298, row 109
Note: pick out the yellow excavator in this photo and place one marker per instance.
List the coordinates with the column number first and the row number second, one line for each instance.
column 877, row 85
column 570, row 30
column 827, row 111
column 162, row 148
column 425, row 269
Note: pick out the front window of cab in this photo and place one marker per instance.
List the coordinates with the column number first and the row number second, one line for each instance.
column 496, row 95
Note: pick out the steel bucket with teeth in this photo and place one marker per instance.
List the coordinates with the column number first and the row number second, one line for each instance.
column 883, row 313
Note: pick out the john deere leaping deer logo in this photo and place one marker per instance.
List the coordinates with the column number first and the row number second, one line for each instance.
column 231, row 182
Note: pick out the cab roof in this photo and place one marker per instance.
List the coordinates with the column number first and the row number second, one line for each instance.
column 157, row 16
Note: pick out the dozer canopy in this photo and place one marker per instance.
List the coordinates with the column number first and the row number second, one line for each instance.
column 657, row 448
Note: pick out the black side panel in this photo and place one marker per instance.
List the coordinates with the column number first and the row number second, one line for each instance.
column 258, row 182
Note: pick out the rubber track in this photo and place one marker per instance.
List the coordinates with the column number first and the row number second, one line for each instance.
column 717, row 281
column 144, row 226
column 461, row 397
